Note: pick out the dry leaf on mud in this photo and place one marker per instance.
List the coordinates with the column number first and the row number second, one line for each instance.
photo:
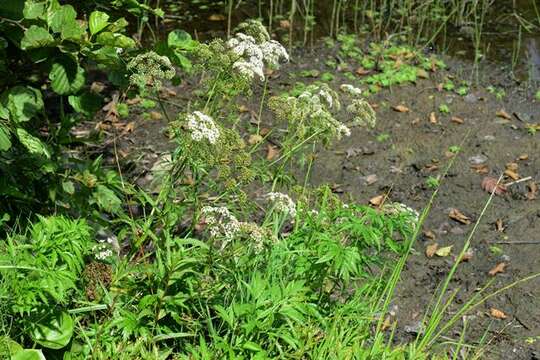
column 458, row 216
column 511, row 174
column 457, row 120
column 433, row 118
column 533, row 190
column 155, row 115
column 468, row 255
column 497, row 314
column 431, row 249
column 377, row 200
column 401, row 108
column 480, row 169
column 216, row 17
column 503, row 114
column 499, row 225
column 129, row 127
column 444, row 251
column 523, row 157
column 512, row 166
column 271, row 152
column 97, row 87
column 361, row 71
column 499, row 268
column 490, row 185
column 429, row 234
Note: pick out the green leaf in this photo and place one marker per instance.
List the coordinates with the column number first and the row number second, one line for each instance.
column 22, row 103
column 107, row 199
column 179, row 39
column 87, row 103
column 67, row 76
column 98, row 21
column 32, row 143
column 36, row 37
column 28, row 354
column 54, row 331
column 115, row 40
column 68, row 187
column 5, row 142
column 61, row 18
column 34, row 9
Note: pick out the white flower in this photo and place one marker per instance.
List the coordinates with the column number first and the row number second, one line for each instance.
column 252, row 55
column 273, row 52
column 102, row 252
column 351, row 90
column 250, row 68
column 397, row 208
column 221, row 223
column 202, row 127
column 282, row 202
column 364, row 115
column 343, row 130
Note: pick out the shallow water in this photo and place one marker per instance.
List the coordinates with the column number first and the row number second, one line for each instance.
column 504, row 40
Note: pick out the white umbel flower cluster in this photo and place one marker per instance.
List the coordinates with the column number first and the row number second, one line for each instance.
column 222, row 224
column 253, row 56
column 351, row 90
column 202, row 127
column 102, row 252
column 282, row 202
column 363, row 113
column 397, row 208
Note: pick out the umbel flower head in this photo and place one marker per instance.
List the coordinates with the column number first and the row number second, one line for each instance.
column 202, row 127
column 363, row 113
column 311, row 112
column 253, row 28
column 225, row 226
column 253, row 47
column 148, row 70
column 282, row 203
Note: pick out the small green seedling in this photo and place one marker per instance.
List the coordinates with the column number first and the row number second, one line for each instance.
column 454, row 149
column 383, row 137
column 432, row 182
column 444, row 109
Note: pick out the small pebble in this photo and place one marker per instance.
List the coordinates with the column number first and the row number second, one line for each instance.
column 478, row 159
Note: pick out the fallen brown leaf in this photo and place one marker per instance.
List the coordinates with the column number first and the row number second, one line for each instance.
column 457, row 120
column 429, row 234
column 499, row 268
column 431, row 249
column 155, row 115
column 444, row 251
column 497, row 314
column 129, row 127
column 377, row 200
column 97, row 87
column 533, row 190
column 523, row 157
column 499, row 225
column 433, row 118
column 264, row 131
column 134, row 101
column 361, row 71
column 401, row 108
column 421, row 73
column 216, row 17
column 468, row 255
column 511, row 174
column 490, row 184
column 458, row 216
column 512, row 166
column 271, row 152
column 480, row 169
column 503, row 114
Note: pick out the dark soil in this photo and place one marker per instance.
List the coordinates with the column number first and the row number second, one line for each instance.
column 416, row 149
